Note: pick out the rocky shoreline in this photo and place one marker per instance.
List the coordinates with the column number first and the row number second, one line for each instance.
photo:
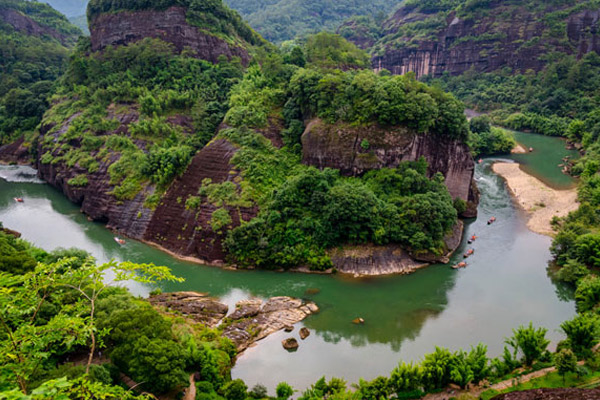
column 252, row 320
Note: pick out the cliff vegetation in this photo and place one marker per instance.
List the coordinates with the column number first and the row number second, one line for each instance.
column 34, row 47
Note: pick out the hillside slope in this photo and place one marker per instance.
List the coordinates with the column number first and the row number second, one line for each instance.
column 34, row 43
column 454, row 36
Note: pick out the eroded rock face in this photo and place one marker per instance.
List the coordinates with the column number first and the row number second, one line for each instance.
column 15, row 153
column 552, row 394
column 117, row 29
column 371, row 260
column 22, row 23
column 188, row 231
column 339, row 146
column 486, row 44
column 129, row 217
column 251, row 321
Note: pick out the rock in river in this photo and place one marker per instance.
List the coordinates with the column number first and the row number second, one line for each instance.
column 304, row 333
column 290, row 344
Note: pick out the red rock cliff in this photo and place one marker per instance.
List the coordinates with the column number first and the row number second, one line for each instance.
column 507, row 36
column 170, row 25
column 355, row 150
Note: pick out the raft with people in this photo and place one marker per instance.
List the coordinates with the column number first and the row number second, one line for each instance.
column 18, row 199
column 472, row 239
column 119, row 240
column 461, row 264
column 469, row 253
column 491, row 220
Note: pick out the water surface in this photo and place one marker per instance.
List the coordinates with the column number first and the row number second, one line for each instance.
column 504, row 286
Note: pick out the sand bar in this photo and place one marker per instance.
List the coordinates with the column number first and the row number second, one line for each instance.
column 540, row 201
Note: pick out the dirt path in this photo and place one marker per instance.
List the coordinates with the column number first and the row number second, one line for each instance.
column 190, row 392
column 540, row 201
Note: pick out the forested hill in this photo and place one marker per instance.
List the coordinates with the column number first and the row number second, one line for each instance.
column 280, row 20
column 34, row 42
column 436, row 36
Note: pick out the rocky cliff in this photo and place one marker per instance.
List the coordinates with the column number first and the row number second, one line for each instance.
column 355, row 150
column 26, row 25
column 170, row 25
column 516, row 35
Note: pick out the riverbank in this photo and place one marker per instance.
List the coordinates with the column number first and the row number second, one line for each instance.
column 540, row 201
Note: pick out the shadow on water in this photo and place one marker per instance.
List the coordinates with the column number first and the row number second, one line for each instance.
column 505, row 285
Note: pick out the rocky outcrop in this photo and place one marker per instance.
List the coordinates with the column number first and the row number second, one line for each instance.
column 170, row 25
column 22, row 23
column 552, row 394
column 197, row 306
column 15, row 153
column 355, row 150
column 371, row 260
column 251, row 321
column 509, row 35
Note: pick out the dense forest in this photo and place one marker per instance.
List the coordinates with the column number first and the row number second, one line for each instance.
column 31, row 64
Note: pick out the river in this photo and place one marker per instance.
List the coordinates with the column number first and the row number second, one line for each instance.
column 505, row 285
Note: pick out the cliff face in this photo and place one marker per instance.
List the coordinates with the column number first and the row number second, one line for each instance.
column 170, row 25
column 187, row 230
column 24, row 24
column 128, row 217
column 355, row 150
column 506, row 36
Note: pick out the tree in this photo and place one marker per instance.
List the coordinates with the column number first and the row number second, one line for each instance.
column 531, row 342
column 27, row 340
column 582, row 333
column 565, row 362
column 284, row 391
column 406, row 378
column 587, row 295
column 436, row 368
column 89, row 281
column 235, row 390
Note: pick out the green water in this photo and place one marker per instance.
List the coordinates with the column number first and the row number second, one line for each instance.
column 505, row 285
column 543, row 162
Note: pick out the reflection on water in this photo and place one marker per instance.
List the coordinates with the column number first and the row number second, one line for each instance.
column 505, row 285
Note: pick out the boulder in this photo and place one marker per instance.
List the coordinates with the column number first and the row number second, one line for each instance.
column 290, row 344
column 304, row 333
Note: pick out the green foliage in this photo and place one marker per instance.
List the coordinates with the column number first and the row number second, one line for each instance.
column 364, row 97
column 530, row 342
column 30, row 65
column 314, row 210
column 565, row 362
column 491, row 142
column 281, row 20
column 235, row 390
column 582, row 333
column 328, row 50
column 78, row 181
column 14, row 255
column 587, row 295
column 284, row 391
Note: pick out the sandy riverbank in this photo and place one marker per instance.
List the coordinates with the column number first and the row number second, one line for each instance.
column 519, row 149
column 537, row 199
